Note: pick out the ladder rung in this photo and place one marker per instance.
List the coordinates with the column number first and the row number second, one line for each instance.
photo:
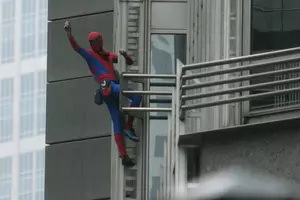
column 162, row 84
column 133, row 35
column 146, row 109
column 133, row 11
column 133, row 69
column 138, row 80
column 132, row 41
column 166, row 101
column 133, row 29
column 147, row 92
column 136, row 114
column 132, row 47
column 129, row 189
column 134, row 4
column 132, row 168
column 164, row 76
column 133, row 18
column 130, row 178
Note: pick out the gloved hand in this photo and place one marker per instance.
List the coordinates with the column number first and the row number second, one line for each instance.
column 68, row 28
column 123, row 52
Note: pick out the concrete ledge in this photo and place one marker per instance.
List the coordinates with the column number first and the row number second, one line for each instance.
column 194, row 139
column 76, row 8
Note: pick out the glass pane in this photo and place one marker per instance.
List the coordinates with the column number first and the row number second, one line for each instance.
column 5, row 178
column 25, row 176
column 273, row 25
column 6, row 110
column 165, row 51
column 7, row 31
column 27, row 105
column 28, row 28
column 273, row 28
column 158, row 135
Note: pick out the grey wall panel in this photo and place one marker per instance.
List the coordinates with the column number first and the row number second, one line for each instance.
column 63, row 62
column 58, row 9
column 78, row 170
column 72, row 113
column 276, row 153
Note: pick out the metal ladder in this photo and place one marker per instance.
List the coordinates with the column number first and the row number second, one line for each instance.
column 133, row 21
column 128, row 14
column 128, row 22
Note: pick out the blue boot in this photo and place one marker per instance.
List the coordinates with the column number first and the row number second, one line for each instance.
column 130, row 133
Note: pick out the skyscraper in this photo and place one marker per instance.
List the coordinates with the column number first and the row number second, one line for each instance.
column 23, row 62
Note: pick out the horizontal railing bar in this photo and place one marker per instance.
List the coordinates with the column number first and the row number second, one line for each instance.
column 167, row 76
column 240, row 89
column 162, row 84
column 147, row 92
column 241, row 78
column 239, row 99
column 146, row 109
column 156, row 117
column 165, row 101
column 238, row 69
column 241, row 58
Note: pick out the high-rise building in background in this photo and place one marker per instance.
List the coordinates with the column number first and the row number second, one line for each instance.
column 23, row 62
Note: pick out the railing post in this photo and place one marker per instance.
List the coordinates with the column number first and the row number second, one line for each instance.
column 180, row 160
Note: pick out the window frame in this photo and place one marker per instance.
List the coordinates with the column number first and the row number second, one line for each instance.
column 7, row 179
column 7, row 101
column 37, row 97
column 10, row 24
column 149, row 55
column 265, row 114
column 34, row 175
column 39, row 32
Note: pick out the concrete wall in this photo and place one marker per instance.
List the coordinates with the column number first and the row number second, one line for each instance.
column 78, row 131
column 275, row 152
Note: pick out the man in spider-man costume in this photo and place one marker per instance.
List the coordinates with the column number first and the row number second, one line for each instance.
column 100, row 63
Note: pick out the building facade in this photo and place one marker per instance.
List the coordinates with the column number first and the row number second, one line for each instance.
column 23, row 61
column 78, row 132
column 161, row 35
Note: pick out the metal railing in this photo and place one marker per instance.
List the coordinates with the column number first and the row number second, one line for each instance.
column 146, row 76
column 167, row 178
column 254, row 78
column 235, row 84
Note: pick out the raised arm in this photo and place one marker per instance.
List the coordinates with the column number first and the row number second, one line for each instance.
column 128, row 59
column 74, row 44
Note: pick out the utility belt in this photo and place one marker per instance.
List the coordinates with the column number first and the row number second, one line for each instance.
column 105, row 87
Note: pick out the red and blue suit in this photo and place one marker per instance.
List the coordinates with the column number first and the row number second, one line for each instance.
column 100, row 63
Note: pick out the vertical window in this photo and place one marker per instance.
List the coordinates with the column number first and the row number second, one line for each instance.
column 5, row 178
column 28, row 28
column 42, row 27
column 27, row 105
column 39, row 171
column 25, row 176
column 6, row 110
column 273, row 27
column 166, row 50
column 7, row 30
column 41, row 102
